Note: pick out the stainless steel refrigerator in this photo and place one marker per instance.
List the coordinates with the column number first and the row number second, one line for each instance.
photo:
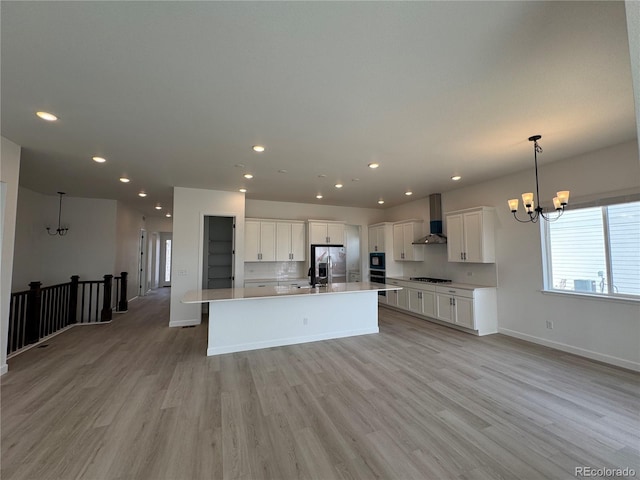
column 328, row 264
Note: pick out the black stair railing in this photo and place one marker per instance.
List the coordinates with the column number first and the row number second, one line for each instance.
column 36, row 313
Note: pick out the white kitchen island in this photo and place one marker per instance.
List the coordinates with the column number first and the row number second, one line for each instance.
column 260, row 317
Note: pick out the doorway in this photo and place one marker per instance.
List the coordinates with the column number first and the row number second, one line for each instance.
column 142, row 277
column 164, row 273
column 218, row 252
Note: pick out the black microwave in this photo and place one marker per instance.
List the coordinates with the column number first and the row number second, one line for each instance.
column 376, row 261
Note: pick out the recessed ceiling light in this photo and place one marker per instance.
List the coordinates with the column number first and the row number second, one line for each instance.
column 258, row 148
column 239, row 165
column 282, row 171
column 322, row 175
column 243, row 190
column 380, row 202
column 142, row 194
column 158, row 207
column 248, row 176
column 319, row 196
column 124, row 180
column 168, row 215
column 99, row 159
column 455, row 178
column 408, row 193
column 49, row 117
column 338, row 185
column 355, row 179
column 374, row 165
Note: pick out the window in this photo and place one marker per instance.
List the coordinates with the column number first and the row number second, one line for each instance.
column 595, row 250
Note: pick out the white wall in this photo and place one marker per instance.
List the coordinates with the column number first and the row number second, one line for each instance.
column 190, row 205
column 9, row 173
column 88, row 249
column 602, row 329
column 129, row 224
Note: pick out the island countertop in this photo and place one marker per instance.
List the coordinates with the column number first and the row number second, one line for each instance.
column 248, row 293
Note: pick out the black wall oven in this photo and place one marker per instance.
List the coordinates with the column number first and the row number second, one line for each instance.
column 377, row 272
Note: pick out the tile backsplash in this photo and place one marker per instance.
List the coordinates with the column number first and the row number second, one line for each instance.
column 280, row 270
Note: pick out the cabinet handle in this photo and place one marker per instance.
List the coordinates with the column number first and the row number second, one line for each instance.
column 461, row 257
column 419, row 294
column 453, row 302
column 465, row 255
column 259, row 256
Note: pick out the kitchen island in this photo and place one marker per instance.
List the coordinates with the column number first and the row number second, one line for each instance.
column 250, row 318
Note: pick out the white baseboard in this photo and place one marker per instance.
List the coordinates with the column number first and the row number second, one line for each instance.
column 184, row 323
column 4, row 369
column 618, row 362
column 279, row 342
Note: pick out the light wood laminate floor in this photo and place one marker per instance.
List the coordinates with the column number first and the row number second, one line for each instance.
column 138, row 400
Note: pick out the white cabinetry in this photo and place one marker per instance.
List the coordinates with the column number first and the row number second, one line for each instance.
column 404, row 233
column 259, row 241
column 326, row 233
column 376, row 238
column 472, row 309
column 290, row 246
column 455, row 306
column 470, row 235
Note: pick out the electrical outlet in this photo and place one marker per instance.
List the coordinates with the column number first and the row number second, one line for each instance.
column 469, row 274
column 549, row 324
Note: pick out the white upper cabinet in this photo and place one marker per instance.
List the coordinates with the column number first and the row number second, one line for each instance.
column 259, row 241
column 290, row 246
column 326, row 233
column 404, row 233
column 376, row 238
column 470, row 235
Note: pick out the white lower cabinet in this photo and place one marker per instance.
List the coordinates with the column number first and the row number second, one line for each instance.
column 421, row 301
column 456, row 306
column 474, row 309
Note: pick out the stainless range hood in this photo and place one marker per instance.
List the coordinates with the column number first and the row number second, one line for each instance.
column 435, row 223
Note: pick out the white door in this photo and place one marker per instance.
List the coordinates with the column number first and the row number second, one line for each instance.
column 142, row 261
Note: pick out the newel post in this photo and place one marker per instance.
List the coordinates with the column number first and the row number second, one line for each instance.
column 32, row 326
column 123, row 305
column 73, row 300
column 106, row 313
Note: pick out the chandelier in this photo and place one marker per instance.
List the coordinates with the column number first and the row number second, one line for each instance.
column 529, row 201
column 59, row 231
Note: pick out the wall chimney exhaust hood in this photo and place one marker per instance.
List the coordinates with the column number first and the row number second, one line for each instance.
column 435, row 223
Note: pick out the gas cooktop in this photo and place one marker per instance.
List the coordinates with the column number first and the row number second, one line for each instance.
column 430, row 280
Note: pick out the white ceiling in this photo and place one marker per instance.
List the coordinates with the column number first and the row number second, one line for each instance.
column 176, row 93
